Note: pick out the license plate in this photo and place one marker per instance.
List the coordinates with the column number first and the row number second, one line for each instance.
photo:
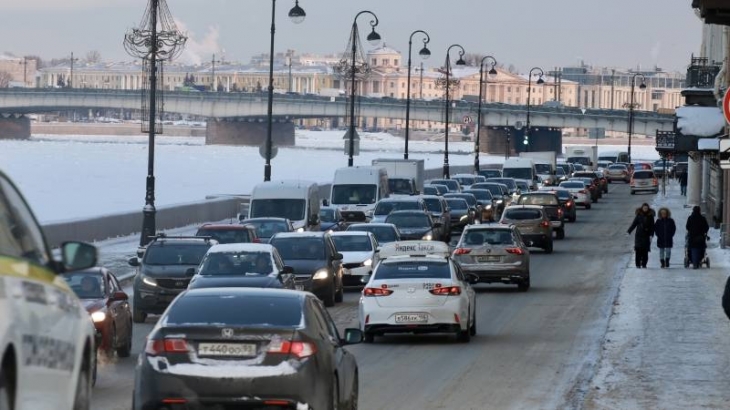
column 411, row 318
column 488, row 258
column 227, row 349
column 299, row 287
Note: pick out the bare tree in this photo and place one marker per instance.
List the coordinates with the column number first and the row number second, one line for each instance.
column 5, row 79
column 512, row 69
column 473, row 59
column 93, row 56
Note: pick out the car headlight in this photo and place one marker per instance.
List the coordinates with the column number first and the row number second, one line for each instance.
column 464, row 218
column 489, row 207
column 321, row 274
column 368, row 262
column 149, row 281
column 427, row 237
column 300, row 230
column 499, row 201
column 98, row 316
column 369, row 214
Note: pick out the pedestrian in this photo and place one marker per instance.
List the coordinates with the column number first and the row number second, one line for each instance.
column 644, row 225
column 664, row 229
column 726, row 299
column 683, row 182
column 697, row 228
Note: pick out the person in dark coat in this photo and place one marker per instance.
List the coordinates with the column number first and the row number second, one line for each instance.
column 664, row 229
column 683, row 182
column 644, row 225
column 726, row 299
column 697, row 228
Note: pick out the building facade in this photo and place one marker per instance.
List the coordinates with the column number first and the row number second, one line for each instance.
column 21, row 71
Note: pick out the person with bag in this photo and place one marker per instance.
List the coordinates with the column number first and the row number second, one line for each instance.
column 697, row 228
column 664, row 229
column 644, row 225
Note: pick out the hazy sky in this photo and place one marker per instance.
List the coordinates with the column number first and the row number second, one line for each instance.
column 526, row 33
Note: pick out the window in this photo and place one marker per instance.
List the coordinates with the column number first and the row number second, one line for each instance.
column 509, row 89
column 395, row 62
column 236, row 310
column 20, row 235
column 403, row 85
column 386, row 61
column 374, row 62
column 392, row 84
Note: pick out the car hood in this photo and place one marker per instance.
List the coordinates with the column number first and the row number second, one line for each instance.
column 92, row 305
column 356, row 257
column 200, row 281
column 304, row 266
column 166, row 271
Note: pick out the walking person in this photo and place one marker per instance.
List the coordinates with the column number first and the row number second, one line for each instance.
column 664, row 229
column 683, row 182
column 697, row 228
column 644, row 226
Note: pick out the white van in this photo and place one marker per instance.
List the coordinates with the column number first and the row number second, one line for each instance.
column 297, row 201
column 356, row 190
column 520, row 168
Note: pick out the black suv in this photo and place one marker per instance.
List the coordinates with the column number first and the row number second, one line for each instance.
column 162, row 272
column 315, row 261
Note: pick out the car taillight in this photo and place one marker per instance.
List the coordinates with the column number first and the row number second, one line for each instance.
column 157, row 347
column 560, row 211
column 461, row 251
column 656, row 181
column 545, row 224
column 447, row 291
column 257, row 240
column 375, row 292
column 516, row 251
column 296, row 349
column 569, row 204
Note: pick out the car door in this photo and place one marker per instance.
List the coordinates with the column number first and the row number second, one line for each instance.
column 468, row 294
column 119, row 309
column 337, row 267
column 342, row 360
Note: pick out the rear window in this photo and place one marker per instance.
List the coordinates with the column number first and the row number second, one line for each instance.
column 470, row 199
column 171, row 254
column 429, row 190
column 619, row 167
column 563, row 194
column 538, row 200
column 522, row 214
column 433, row 204
column 453, row 185
column 643, row 174
column 229, row 310
column 226, row 235
column 352, row 243
column 299, row 248
column 573, row 185
column 481, row 194
column 413, row 270
column 382, row 234
column 489, row 236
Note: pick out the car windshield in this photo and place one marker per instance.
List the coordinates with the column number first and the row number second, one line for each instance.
column 386, row 207
column 226, row 235
column 578, row 167
column 470, row 199
column 543, row 168
column 643, row 174
column 452, row 184
column 430, row 190
column 400, row 186
column 409, row 220
column 236, row 263
column 457, row 203
column 267, row 229
column 292, row 209
column 234, row 310
column 413, row 270
column 352, row 243
column 565, row 167
column 522, row 185
column 433, row 204
column 522, row 214
column 302, row 248
column 559, row 171
column 442, row 189
column 383, row 234
column 488, row 236
column 86, row 285
column 173, row 254
column 580, row 160
column 327, row 215
column 354, row 194
column 521, row 173
column 481, row 194
column 536, row 199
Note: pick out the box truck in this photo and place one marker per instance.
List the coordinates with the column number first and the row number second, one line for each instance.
column 582, row 154
column 405, row 176
column 545, row 164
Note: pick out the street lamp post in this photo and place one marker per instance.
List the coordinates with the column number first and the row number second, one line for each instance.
column 631, row 107
column 24, row 63
column 213, row 86
column 492, row 71
column 526, row 142
column 373, row 38
column 460, row 61
column 69, row 83
column 424, row 53
column 297, row 15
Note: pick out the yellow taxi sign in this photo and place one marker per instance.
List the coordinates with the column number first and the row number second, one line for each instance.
column 415, row 248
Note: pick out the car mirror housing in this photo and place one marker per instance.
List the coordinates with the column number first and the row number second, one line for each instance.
column 353, row 336
column 472, row 278
column 119, row 296
column 338, row 256
column 287, row 270
column 133, row 261
column 190, row 272
column 78, row 256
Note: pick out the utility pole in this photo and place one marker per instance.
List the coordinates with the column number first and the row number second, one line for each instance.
column 25, row 71
column 613, row 85
column 69, row 83
column 421, row 83
column 289, row 55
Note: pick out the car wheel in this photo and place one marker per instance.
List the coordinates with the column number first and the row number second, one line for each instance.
column 633, row 192
column 368, row 337
column 549, row 247
column 610, row 182
column 95, row 369
column 329, row 299
column 354, row 394
column 126, row 349
column 82, row 399
column 138, row 316
column 5, row 395
column 340, row 294
column 473, row 327
column 464, row 336
column 335, row 400
column 561, row 233
column 572, row 218
column 524, row 286
column 588, row 206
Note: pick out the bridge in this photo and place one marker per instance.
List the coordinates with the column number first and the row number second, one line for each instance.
column 236, row 107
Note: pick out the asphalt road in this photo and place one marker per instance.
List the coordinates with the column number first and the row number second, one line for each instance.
column 535, row 350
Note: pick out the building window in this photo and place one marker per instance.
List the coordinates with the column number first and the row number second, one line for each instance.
column 509, row 89
column 402, row 85
column 375, row 61
column 386, row 61
column 395, row 62
column 392, row 84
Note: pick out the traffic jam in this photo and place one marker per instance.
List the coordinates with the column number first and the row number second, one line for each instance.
column 242, row 310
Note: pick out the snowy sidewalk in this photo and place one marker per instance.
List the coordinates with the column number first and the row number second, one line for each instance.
column 667, row 341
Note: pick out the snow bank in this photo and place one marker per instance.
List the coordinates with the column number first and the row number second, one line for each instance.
column 700, row 121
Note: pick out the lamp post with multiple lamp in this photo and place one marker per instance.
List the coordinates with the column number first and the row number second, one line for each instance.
column 540, row 73
column 632, row 105
column 424, row 53
column 297, row 15
column 492, row 72
column 460, row 61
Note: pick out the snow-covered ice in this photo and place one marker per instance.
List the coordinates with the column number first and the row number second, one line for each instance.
column 700, row 121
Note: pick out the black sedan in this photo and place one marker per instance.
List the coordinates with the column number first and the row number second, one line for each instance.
column 331, row 219
column 108, row 305
column 268, row 227
column 247, row 348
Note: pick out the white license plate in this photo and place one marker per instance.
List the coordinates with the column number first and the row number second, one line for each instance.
column 488, row 258
column 299, row 287
column 227, row 349
column 411, row 318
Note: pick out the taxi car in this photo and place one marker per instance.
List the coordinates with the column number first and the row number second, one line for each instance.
column 417, row 288
column 47, row 339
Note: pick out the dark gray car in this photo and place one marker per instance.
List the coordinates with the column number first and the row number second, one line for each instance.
column 415, row 225
column 440, row 212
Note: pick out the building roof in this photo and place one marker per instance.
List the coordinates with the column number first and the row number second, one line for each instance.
column 383, row 50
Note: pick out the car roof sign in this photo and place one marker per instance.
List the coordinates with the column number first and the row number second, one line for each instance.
column 414, row 248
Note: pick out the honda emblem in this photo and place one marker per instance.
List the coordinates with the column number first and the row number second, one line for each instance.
column 227, row 333
column 411, row 290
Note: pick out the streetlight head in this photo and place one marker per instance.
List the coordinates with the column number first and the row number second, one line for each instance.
column 374, row 38
column 540, row 81
column 460, row 61
column 297, row 14
column 425, row 53
column 642, row 86
column 493, row 72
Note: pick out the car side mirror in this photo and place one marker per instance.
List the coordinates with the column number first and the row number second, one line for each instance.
column 325, row 202
column 353, row 336
column 287, row 270
column 314, row 220
column 78, row 256
column 472, row 278
column 133, row 261
column 338, row 256
column 190, row 272
column 437, row 224
column 119, row 296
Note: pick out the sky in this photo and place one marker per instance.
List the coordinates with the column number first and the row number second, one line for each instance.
column 525, row 33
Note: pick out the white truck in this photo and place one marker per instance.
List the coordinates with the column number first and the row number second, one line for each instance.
column 405, row 176
column 356, row 190
column 295, row 200
column 582, row 154
column 520, row 168
column 545, row 165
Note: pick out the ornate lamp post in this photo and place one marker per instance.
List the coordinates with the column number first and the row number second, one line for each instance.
column 297, row 15
column 492, row 72
column 529, row 92
column 632, row 105
column 352, row 66
column 424, row 53
column 155, row 40
column 460, row 61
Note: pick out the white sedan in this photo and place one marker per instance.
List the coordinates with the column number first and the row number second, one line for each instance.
column 418, row 288
column 359, row 251
column 579, row 191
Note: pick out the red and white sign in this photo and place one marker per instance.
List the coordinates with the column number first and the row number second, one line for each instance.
column 726, row 105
